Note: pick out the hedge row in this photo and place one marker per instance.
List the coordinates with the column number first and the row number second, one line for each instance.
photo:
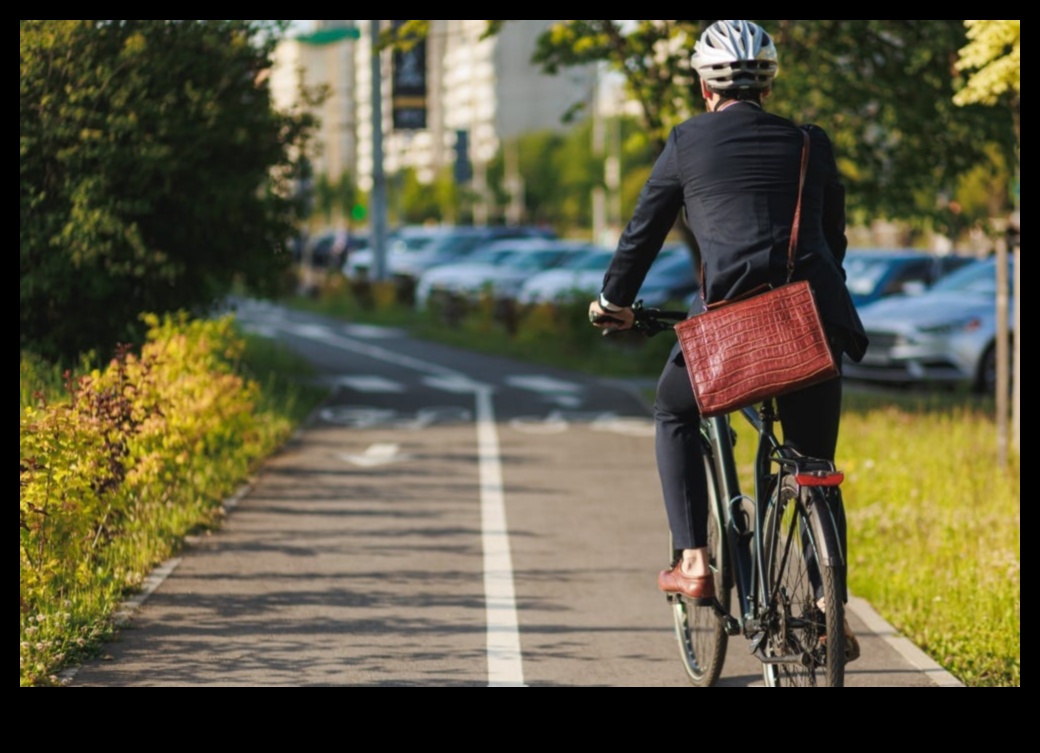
column 118, row 471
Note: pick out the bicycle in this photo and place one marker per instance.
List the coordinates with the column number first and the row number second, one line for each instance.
column 781, row 548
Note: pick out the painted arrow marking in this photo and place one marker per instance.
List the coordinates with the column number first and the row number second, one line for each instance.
column 380, row 453
column 369, row 384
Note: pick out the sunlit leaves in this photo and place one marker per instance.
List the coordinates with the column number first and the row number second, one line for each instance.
column 993, row 54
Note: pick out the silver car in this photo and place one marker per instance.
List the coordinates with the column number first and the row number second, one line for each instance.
column 946, row 334
column 497, row 269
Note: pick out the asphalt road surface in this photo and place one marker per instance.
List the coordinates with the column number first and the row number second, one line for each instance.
column 446, row 519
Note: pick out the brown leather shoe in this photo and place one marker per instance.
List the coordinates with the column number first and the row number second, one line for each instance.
column 852, row 649
column 700, row 589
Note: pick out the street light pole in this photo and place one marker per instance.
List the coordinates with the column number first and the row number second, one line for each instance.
column 377, row 218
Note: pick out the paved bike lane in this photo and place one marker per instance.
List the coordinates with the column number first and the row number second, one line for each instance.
column 505, row 531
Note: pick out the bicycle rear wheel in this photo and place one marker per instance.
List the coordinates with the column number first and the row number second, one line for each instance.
column 805, row 646
column 700, row 630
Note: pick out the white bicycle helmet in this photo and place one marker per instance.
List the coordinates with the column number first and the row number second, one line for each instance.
column 735, row 55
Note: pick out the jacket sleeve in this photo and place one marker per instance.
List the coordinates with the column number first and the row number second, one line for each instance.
column 656, row 211
column 833, row 196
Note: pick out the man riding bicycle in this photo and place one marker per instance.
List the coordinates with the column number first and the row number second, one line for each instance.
column 734, row 172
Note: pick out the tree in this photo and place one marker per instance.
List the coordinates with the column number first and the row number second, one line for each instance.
column 993, row 54
column 883, row 90
column 560, row 171
column 335, row 199
column 154, row 174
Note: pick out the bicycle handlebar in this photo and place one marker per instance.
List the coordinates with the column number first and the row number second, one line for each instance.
column 651, row 321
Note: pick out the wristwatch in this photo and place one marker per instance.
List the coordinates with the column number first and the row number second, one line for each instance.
column 607, row 305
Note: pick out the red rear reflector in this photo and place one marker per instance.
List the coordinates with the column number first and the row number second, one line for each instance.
column 819, row 478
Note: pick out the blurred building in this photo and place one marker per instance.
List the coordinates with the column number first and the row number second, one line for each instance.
column 486, row 89
column 322, row 56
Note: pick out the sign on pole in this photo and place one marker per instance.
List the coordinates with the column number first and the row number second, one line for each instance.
column 408, row 96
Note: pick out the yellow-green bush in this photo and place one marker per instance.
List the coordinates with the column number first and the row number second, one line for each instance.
column 116, row 473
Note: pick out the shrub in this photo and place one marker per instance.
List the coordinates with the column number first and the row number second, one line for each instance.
column 118, row 471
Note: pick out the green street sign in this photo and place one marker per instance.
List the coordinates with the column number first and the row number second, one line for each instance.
column 329, row 36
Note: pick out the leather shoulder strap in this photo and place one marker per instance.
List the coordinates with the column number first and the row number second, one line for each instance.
column 794, row 225
column 798, row 205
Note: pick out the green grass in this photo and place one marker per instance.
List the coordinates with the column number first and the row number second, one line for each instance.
column 286, row 379
column 936, row 530
column 934, row 521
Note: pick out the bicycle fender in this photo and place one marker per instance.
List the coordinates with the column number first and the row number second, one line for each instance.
column 825, row 528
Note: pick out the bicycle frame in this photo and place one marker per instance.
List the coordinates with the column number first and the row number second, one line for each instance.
column 743, row 517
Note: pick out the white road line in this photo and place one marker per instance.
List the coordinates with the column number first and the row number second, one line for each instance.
column 329, row 337
column 539, row 383
column 504, row 660
column 505, row 668
column 371, row 331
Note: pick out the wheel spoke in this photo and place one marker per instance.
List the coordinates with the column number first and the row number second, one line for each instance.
column 797, row 626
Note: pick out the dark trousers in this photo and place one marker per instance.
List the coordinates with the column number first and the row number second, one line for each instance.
column 808, row 420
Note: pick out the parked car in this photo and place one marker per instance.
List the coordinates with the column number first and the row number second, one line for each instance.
column 578, row 278
column 458, row 244
column 400, row 243
column 411, row 251
column 872, row 274
column 946, row 334
column 498, row 268
column 671, row 277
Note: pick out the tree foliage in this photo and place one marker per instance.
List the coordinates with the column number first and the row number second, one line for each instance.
column 883, row 89
column 560, row 171
column 154, row 174
column 994, row 54
column 993, row 58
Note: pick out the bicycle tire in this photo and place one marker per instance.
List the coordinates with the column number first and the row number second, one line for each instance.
column 699, row 630
column 805, row 645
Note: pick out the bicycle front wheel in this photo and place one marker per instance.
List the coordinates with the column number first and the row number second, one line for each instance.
column 805, row 645
column 700, row 630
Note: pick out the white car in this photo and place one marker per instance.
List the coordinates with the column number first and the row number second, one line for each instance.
column 497, row 269
column 580, row 278
column 671, row 278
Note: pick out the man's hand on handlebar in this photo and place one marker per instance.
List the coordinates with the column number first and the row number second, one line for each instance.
column 610, row 321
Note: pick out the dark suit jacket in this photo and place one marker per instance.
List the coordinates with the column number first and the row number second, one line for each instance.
column 735, row 173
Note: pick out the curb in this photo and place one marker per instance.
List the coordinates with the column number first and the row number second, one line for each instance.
column 915, row 656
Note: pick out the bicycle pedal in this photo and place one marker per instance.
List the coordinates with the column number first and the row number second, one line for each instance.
column 756, row 642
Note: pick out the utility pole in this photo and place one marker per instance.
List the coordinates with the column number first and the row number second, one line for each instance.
column 1002, row 353
column 599, row 194
column 514, row 181
column 378, row 207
